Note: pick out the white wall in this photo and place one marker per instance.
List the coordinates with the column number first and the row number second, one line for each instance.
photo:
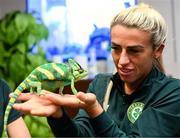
column 169, row 9
column 10, row 5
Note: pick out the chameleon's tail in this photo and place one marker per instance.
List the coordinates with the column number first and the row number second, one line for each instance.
column 12, row 100
column 6, row 115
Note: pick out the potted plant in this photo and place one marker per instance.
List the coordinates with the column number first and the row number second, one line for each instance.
column 19, row 31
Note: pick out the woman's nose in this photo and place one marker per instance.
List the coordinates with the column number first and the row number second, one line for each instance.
column 124, row 58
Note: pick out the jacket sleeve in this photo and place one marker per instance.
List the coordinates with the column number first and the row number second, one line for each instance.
column 4, row 99
column 67, row 127
column 77, row 127
column 82, row 125
column 62, row 127
column 14, row 114
column 159, row 118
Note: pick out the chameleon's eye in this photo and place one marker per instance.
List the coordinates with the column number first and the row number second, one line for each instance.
column 80, row 70
column 79, row 66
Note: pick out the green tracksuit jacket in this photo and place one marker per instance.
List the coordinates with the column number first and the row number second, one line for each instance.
column 152, row 111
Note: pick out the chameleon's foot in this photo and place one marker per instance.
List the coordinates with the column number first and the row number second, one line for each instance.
column 41, row 93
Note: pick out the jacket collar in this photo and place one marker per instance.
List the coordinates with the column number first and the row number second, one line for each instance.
column 153, row 75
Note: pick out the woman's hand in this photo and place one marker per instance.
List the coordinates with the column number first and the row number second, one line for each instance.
column 37, row 105
column 50, row 104
column 90, row 104
column 72, row 103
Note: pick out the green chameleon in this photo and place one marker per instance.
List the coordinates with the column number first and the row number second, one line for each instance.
column 52, row 77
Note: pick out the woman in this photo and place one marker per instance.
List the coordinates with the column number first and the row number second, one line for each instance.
column 142, row 102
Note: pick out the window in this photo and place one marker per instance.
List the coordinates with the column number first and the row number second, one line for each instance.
column 77, row 27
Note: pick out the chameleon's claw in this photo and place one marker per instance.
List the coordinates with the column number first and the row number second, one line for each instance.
column 80, row 102
column 42, row 93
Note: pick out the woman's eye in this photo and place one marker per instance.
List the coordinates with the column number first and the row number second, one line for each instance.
column 134, row 51
column 115, row 48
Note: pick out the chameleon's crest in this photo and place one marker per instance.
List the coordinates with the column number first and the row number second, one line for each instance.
column 77, row 71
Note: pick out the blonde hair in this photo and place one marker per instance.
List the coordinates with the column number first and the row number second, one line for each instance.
column 145, row 18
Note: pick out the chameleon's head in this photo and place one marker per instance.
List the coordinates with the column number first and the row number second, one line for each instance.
column 77, row 71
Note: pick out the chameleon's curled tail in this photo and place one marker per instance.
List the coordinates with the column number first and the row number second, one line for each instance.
column 12, row 100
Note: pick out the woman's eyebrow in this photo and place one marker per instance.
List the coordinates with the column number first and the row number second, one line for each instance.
column 136, row 46
column 130, row 46
column 114, row 44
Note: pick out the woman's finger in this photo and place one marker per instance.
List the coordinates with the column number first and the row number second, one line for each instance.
column 23, row 96
column 22, row 107
column 87, row 98
column 65, row 100
column 46, row 111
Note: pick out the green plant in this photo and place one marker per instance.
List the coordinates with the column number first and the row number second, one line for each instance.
column 19, row 31
column 38, row 127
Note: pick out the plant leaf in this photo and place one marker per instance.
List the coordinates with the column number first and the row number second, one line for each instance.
column 21, row 48
column 11, row 35
column 21, row 22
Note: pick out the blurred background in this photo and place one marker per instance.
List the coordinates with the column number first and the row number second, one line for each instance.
column 60, row 29
column 80, row 29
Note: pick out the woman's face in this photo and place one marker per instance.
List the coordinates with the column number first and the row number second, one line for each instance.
column 132, row 53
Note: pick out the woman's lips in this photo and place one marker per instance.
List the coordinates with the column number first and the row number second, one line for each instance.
column 125, row 72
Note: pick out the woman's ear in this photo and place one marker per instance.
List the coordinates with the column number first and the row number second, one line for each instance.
column 158, row 61
column 158, row 51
